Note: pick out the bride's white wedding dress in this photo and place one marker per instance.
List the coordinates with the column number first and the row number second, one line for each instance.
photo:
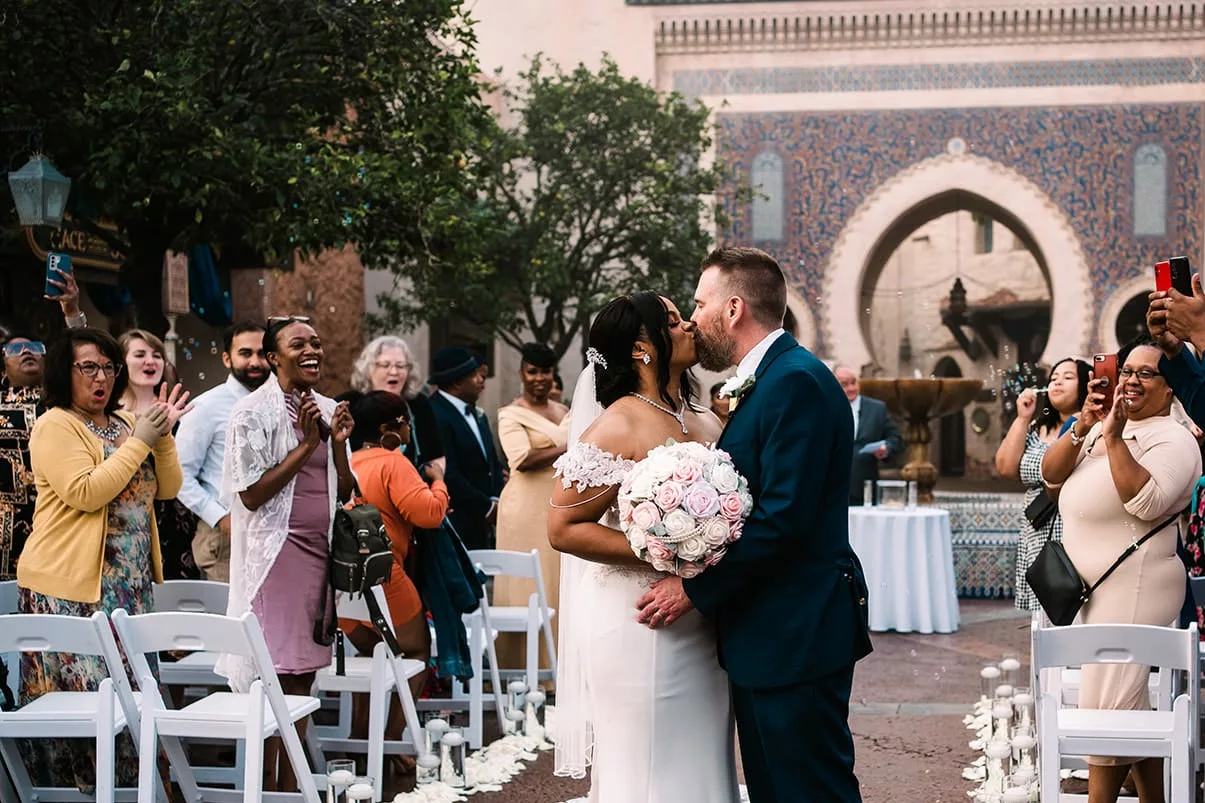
column 657, row 701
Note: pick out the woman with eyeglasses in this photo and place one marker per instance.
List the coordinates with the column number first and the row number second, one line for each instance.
column 1126, row 468
column 286, row 468
column 387, row 364
column 94, row 545
column 406, row 500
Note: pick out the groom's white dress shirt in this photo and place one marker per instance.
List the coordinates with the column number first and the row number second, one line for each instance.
column 748, row 365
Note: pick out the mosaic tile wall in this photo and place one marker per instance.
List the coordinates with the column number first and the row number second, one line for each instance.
column 1081, row 156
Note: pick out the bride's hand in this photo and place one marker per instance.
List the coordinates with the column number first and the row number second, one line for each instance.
column 664, row 603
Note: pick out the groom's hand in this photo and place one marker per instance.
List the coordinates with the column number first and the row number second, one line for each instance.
column 664, row 603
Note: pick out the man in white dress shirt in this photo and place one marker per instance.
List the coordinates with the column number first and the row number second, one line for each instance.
column 201, row 444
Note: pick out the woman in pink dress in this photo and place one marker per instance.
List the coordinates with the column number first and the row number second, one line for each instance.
column 286, row 468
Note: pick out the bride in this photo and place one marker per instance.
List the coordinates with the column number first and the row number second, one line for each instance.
column 647, row 710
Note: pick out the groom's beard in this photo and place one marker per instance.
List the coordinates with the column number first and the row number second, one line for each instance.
column 715, row 351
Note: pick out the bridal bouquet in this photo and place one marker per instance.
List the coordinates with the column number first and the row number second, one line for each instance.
column 682, row 505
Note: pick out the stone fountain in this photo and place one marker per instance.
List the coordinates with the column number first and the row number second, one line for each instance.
column 919, row 401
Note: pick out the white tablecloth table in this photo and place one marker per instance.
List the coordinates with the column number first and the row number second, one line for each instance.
column 909, row 564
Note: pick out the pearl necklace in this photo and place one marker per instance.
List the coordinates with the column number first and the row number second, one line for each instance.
column 679, row 417
column 110, row 432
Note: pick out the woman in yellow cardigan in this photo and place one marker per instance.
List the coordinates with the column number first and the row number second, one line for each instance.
column 93, row 546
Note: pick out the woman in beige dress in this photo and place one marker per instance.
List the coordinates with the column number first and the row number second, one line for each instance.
column 1122, row 472
column 534, row 431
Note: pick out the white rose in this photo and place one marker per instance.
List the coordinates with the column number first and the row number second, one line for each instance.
column 663, row 565
column 715, row 532
column 677, row 524
column 724, row 478
column 692, row 548
column 660, row 465
column 641, row 487
column 638, row 540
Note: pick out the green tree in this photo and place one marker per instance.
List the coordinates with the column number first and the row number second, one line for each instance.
column 261, row 127
column 599, row 187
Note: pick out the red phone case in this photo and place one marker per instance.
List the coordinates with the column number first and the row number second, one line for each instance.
column 1105, row 365
column 1163, row 276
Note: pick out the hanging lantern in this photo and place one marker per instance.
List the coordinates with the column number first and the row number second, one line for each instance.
column 40, row 192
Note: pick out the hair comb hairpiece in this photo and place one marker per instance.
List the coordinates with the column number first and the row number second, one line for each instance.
column 595, row 356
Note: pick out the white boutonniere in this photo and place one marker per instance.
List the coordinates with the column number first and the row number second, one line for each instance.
column 735, row 388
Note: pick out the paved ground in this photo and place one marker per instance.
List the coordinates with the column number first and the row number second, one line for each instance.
column 909, row 699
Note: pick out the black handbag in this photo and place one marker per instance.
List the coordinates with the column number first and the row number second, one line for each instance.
column 1058, row 585
column 361, row 556
column 1041, row 510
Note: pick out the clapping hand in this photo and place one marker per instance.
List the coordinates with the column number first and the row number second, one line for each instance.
column 341, row 424
column 152, row 425
column 308, row 416
column 175, row 403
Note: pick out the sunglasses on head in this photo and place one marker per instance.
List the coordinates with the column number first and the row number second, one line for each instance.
column 288, row 319
column 15, row 349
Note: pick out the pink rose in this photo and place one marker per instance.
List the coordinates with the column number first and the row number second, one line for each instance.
column 732, row 507
column 715, row 557
column 701, row 500
column 646, row 516
column 625, row 509
column 669, row 496
column 689, row 569
column 658, row 551
column 687, row 471
column 735, row 529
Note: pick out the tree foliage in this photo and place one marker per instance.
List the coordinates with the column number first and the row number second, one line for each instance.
column 258, row 126
column 598, row 187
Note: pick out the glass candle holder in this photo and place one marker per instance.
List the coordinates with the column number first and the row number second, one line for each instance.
column 339, row 775
column 912, row 494
column 999, row 765
column 1024, row 744
column 868, row 493
column 452, row 755
column 426, row 769
column 1023, row 708
column 1010, row 669
column 435, row 729
column 989, row 679
column 535, row 713
column 516, row 696
column 516, row 722
column 361, row 789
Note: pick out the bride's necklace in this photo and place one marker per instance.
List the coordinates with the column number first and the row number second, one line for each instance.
column 679, row 417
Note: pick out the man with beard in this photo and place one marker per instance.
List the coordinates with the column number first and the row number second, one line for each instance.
column 201, row 444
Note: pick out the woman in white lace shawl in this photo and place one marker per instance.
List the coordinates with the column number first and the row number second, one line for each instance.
column 286, row 468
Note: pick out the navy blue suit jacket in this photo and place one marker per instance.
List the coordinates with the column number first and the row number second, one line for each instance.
column 874, row 424
column 789, row 598
column 473, row 478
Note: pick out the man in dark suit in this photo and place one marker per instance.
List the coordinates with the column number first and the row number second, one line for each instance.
column 789, row 598
column 872, row 427
column 474, row 473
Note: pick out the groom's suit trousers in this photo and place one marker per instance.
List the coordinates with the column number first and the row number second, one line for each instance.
column 795, row 741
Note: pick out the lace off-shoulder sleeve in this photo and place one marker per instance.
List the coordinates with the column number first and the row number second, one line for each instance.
column 587, row 466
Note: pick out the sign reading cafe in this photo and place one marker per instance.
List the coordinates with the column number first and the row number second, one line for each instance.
column 84, row 247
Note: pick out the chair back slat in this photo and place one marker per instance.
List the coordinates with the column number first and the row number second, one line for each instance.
column 179, row 630
column 1147, row 645
column 38, row 632
column 192, row 596
column 8, row 596
column 500, row 562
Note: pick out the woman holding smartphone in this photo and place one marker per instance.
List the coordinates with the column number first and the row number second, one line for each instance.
column 1125, row 471
column 1040, row 420
column 287, row 466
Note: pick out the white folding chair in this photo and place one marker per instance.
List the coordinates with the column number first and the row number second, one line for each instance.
column 1167, row 733
column 1198, row 596
column 262, row 712
column 99, row 715
column 11, row 665
column 379, row 676
column 192, row 596
column 531, row 619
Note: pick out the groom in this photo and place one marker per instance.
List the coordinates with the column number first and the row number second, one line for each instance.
column 789, row 598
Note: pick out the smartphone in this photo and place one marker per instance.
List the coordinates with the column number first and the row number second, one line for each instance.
column 1181, row 275
column 1104, row 366
column 56, row 264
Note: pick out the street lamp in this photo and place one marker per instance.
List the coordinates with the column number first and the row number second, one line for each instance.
column 40, row 192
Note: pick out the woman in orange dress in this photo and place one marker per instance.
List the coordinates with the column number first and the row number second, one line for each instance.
column 391, row 483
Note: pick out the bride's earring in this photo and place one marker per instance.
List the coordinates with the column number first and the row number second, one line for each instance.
column 646, row 359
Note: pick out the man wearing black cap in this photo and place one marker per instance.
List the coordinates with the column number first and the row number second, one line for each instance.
column 474, row 473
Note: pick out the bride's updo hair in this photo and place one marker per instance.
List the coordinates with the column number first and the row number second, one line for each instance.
column 615, row 331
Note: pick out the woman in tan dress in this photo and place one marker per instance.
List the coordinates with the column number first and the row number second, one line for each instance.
column 1122, row 472
column 534, row 432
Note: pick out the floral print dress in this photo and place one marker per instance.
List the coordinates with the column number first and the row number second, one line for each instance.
column 126, row 584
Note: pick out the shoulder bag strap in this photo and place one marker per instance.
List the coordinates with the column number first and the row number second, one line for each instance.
column 382, row 626
column 1130, row 550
